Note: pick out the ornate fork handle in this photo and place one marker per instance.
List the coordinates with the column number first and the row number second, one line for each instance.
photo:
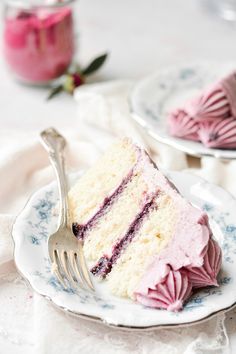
column 55, row 145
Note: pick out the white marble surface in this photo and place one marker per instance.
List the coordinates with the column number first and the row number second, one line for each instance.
column 141, row 36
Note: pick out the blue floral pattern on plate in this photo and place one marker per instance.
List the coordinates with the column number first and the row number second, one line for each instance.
column 43, row 211
column 39, row 219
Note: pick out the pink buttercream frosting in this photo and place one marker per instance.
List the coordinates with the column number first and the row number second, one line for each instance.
column 210, row 117
column 191, row 259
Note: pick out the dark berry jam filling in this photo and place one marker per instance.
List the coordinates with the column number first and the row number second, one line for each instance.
column 105, row 264
column 81, row 230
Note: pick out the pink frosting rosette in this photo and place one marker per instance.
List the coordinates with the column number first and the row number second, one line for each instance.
column 169, row 292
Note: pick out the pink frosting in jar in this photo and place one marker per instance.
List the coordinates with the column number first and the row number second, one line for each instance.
column 39, row 45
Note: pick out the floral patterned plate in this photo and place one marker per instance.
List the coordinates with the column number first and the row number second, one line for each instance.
column 38, row 220
column 156, row 95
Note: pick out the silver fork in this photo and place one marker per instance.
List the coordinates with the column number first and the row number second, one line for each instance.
column 65, row 250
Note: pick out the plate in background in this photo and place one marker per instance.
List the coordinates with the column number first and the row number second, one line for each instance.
column 156, row 95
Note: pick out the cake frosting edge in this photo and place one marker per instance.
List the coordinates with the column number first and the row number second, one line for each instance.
column 175, row 272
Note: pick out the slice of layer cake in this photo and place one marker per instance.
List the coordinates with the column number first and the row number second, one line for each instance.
column 139, row 233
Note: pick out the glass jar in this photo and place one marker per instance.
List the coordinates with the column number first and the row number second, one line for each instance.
column 38, row 38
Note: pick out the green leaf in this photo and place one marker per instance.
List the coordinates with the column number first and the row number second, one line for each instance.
column 55, row 91
column 94, row 65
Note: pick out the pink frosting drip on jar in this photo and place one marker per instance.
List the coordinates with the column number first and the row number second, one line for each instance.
column 210, row 117
column 39, row 44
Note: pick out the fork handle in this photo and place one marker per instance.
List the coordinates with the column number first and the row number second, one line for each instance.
column 55, row 144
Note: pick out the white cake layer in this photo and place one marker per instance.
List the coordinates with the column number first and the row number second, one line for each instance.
column 152, row 237
column 114, row 224
column 87, row 195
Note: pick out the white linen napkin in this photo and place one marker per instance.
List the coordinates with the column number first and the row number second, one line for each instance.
column 28, row 323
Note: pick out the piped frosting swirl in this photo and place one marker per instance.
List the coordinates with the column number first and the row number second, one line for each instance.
column 170, row 293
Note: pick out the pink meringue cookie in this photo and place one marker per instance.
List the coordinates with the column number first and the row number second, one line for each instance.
column 216, row 102
column 182, row 125
column 170, row 293
column 210, row 117
column 209, row 105
column 228, row 85
column 218, row 133
column 206, row 275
